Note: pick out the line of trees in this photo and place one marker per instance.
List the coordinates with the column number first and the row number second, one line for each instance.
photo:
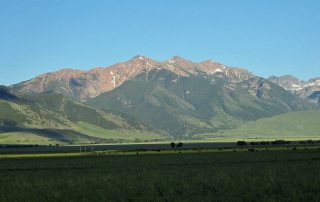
column 263, row 143
column 276, row 142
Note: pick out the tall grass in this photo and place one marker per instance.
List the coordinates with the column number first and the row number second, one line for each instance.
column 238, row 176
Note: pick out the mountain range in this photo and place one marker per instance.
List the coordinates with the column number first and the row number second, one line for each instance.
column 82, row 85
column 176, row 98
column 304, row 89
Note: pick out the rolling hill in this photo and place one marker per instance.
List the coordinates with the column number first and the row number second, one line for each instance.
column 293, row 125
column 53, row 118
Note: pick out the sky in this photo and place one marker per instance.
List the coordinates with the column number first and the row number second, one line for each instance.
column 267, row 37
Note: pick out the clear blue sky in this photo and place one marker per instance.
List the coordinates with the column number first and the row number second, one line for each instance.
column 265, row 36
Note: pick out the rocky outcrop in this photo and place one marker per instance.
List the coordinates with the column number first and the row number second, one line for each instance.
column 304, row 89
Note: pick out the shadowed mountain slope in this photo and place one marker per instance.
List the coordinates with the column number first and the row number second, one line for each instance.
column 53, row 117
column 181, row 106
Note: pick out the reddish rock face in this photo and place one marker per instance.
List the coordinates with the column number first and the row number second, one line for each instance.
column 81, row 85
column 113, row 76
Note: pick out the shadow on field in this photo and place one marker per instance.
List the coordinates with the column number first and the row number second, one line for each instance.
column 47, row 168
column 64, row 135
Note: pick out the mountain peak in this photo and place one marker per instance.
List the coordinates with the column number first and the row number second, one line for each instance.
column 285, row 77
column 213, row 66
column 140, row 57
column 288, row 82
column 289, row 76
column 177, row 59
column 314, row 79
column 211, row 62
column 180, row 61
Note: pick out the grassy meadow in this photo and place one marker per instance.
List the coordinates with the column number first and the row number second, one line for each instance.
column 274, row 175
column 301, row 125
column 82, row 133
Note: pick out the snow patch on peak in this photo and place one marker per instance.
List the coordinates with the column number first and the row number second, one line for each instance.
column 296, row 87
column 138, row 57
column 113, row 81
column 217, row 70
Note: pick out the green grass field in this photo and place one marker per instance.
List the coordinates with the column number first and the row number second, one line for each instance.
column 282, row 175
column 289, row 126
column 24, row 138
column 302, row 125
column 88, row 131
column 117, row 135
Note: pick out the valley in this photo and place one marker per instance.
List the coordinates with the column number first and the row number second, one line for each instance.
column 164, row 101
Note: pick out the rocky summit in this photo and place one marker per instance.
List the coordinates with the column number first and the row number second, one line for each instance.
column 82, row 85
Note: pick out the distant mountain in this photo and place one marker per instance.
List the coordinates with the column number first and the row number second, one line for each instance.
column 177, row 97
column 82, row 85
column 288, row 82
column 304, row 89
column 185, row 105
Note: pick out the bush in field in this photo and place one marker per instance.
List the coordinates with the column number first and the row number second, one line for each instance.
column 179, row 145
column 263, row 143
column 173, row 145
column 241, row 143
column 279, row 142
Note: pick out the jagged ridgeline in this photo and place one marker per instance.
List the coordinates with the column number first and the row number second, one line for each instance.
column 309, row 90
column 177, row 97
